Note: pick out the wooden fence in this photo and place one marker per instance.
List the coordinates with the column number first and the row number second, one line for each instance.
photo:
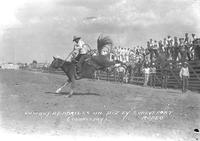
column 174, row 80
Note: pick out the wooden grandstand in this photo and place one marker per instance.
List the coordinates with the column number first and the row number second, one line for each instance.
column 174, row 80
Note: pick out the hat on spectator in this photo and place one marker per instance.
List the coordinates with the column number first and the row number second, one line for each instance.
column 76, row 38
column 185, row 63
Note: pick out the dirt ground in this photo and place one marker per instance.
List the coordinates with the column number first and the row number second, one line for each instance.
column 29, row 105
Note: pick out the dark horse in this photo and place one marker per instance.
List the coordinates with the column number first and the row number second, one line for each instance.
column 89, row 65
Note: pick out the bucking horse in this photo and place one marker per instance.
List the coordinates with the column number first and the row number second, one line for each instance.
column 89, row 66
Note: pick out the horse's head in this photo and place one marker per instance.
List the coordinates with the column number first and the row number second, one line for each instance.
column 57, row 63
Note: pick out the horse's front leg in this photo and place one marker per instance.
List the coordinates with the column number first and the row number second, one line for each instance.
column 59, row 89
column 71, row 88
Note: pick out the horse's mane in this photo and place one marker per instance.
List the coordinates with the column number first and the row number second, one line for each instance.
column 102, row 41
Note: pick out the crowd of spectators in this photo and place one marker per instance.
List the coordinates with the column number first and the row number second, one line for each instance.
column 127, row 55
column 173, row 48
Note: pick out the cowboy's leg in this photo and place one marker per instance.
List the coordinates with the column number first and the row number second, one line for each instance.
column 78, row 57
column 80, row 62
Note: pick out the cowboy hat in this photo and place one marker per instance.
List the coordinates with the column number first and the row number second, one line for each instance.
column 76, row 38
column 185, row 63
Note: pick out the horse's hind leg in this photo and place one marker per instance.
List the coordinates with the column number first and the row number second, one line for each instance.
column 59, row 89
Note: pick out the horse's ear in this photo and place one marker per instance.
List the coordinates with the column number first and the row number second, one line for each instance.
column 54, row 58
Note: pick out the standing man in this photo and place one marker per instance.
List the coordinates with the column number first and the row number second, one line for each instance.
column 155, row 49
column 146, row 71
column 165, row 76
column 176, row 49
column 187, row 46
column 165, row 46
column 196, row 47
column 153, row 75
column 169, row 47
column 184, row 75
column 182, row 49
column 151, row 44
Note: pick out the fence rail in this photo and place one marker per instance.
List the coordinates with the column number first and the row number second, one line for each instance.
column 174, row 80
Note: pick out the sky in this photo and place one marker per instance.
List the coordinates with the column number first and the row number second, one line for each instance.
column 39, row 29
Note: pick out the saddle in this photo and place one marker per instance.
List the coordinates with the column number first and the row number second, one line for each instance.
column 87, row 61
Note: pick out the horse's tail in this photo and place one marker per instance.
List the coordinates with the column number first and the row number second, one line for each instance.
column 103, row 41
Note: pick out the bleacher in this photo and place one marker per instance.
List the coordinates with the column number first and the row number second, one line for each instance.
column 174, row 80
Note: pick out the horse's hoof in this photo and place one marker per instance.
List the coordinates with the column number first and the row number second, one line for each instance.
column 58, row 91
column 68, row 96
